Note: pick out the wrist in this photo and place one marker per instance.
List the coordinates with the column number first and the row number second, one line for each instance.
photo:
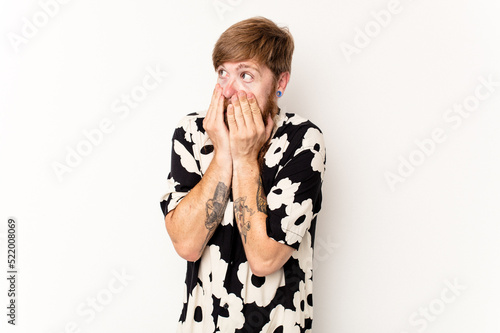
column 246, row 167
column 223, row 160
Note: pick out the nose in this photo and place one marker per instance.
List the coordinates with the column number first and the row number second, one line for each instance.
column 230, row 88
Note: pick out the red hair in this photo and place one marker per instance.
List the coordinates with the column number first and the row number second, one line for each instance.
column 258, row 39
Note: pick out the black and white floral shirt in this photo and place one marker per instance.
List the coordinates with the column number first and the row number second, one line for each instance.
column 221, row 293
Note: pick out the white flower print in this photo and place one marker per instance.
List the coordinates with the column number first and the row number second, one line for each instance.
column 305, row 255
column 282, row 193
column 285, row 318
column 176, row 197
column 296, row 120
column 260, row 290
column 199, row 313
column 211, row 263
column 236, row 319
column 187, row 160
column 279, row 120
column 302, row 300
column 313, row 139
column 202, row 151
column 187, row 123
column 298, row 220
column 276, row 149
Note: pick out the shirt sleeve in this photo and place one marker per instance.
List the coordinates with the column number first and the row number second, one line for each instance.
column 185, row 168
column 295, row 196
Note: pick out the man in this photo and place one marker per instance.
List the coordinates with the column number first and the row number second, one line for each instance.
column 244, row 191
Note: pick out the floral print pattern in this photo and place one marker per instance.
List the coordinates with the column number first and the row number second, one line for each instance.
column 221, row 293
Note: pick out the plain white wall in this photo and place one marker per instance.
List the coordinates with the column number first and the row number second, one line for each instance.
column 376, row 76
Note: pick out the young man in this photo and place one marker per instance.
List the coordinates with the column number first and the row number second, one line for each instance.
column 244, row 191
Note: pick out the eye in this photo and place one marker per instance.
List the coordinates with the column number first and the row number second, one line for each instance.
column 222, row 73
column 246, row 77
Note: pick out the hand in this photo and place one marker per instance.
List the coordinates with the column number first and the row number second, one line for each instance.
column 216, row 128
column 247, row 132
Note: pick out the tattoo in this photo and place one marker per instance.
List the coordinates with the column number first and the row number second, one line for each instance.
column 261, row 198
column 239, row 214
column 215, row 209
column 216, row 206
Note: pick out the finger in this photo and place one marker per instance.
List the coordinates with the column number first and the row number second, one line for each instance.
column 219, row 109
column 238, row 114
column 231, row 119
column 255, row 110
column 211, row 112
column 245, row 108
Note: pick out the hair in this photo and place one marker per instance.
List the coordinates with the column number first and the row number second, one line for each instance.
column 258, row 39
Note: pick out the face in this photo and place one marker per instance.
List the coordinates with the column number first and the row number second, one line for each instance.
column 249, row 76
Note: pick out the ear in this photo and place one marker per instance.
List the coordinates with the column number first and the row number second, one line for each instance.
column 283, row 81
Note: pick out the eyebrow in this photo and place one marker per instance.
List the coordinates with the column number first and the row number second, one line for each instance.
column 240, row 66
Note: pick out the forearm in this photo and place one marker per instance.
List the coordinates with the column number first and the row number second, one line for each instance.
column 264, row 254
column 191, row 224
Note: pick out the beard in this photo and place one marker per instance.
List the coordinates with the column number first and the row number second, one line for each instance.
column 270, row 108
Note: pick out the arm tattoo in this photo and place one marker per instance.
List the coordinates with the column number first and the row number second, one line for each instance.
column 261, row 198
column 215, row 209
column 239, row 214
column 216, row 206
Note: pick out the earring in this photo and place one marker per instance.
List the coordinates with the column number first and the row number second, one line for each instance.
column 279, row 93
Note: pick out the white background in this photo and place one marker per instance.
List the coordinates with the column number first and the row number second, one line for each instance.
column 385, row 254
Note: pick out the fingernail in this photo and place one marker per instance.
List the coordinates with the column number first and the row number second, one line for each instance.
column 241, row 93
